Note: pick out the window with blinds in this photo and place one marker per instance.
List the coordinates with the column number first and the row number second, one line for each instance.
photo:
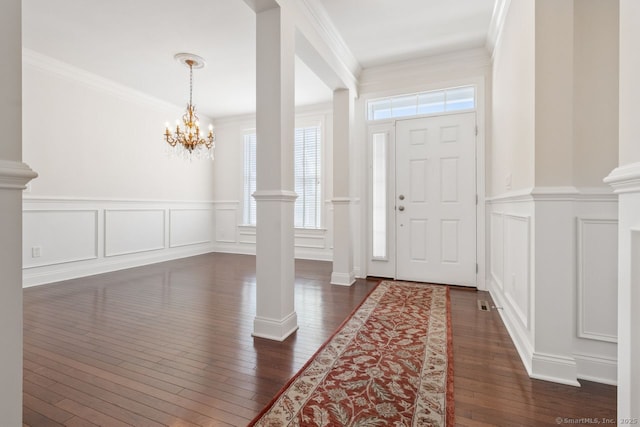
column 307, row 184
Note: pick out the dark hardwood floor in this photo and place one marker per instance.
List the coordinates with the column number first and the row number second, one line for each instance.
column 170, row 344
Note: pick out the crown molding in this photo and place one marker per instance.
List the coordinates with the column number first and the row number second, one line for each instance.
column 500, row 9
column 320, row 18
column 94, row 81
column 414, row 70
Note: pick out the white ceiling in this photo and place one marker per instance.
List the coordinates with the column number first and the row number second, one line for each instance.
column 132, row 42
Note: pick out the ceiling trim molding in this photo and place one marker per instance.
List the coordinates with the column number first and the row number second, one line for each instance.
column 321, row 46
column 261, row 5
column 94, row 81
column 500, row 9
column 416, row 69
column 319, row 16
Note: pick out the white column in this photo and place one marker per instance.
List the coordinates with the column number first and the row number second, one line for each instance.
column 276, row 317
column 343, row 273
column 14, row 175
column 626, row 182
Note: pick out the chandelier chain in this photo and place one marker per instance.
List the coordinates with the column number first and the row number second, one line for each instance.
column 190, row 83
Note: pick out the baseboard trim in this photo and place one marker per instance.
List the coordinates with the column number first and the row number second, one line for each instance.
column 597, row 368
column 274, row 329
column 554, row 368
column 69, row 271
column 343, row 279
column 519, row 339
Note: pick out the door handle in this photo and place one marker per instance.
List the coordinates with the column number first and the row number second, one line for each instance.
column 400, row 208
column 401, row 197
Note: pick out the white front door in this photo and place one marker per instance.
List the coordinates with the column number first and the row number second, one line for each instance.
column 435, row 199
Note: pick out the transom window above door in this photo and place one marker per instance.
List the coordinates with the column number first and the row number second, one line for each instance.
column 422, row 103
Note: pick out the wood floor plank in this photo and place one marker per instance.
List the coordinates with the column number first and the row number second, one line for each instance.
column 170, row 344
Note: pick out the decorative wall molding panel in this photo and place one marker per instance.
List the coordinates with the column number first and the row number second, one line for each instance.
column 590, row 272
column 597, row 281
column 496, row 245
column 309, row 243
column 190, row 226
column 130, row 231
column 53, row 237
column 65, row 238
column 233, row 237
column 517, row 266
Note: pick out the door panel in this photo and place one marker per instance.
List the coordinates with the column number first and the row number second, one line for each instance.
column 436, row 199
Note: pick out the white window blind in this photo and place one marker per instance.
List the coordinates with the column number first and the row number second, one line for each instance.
column 307, row 177
column 307, row 169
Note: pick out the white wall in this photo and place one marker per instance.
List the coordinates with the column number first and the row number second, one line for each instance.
column 231, row 235
column 553, row 69
column 108, row 195
column 512, row 146
column 92, row 138
column 553, row 235
column 595, row 82
column 629, row 89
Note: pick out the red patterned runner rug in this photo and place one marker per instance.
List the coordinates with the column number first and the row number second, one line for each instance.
column 389, row 364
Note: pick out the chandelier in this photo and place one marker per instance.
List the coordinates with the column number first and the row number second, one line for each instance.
column 189, row 141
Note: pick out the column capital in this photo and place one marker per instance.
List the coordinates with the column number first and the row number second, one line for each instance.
column 15, row 175
column 341, row 200
column 625, row 179
column 275, row 195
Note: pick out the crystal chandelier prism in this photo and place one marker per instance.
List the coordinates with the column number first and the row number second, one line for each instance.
column 189, row 141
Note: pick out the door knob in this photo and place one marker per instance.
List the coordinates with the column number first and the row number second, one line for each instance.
column 400, row 208
column 401, row 197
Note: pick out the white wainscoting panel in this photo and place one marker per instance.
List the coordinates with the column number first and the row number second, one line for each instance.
column 189, row 227
column 517, row 286
column 226, row 224
column 77, row 237
column 497, row 248
column 129, row 231
column 307, row 239
column 582, row 341
column 247, row 235
column 597, row 279
column 309, row 243
column 59, row 236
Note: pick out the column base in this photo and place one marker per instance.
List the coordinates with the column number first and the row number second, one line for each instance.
column 343, row 279
column 273, row 329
